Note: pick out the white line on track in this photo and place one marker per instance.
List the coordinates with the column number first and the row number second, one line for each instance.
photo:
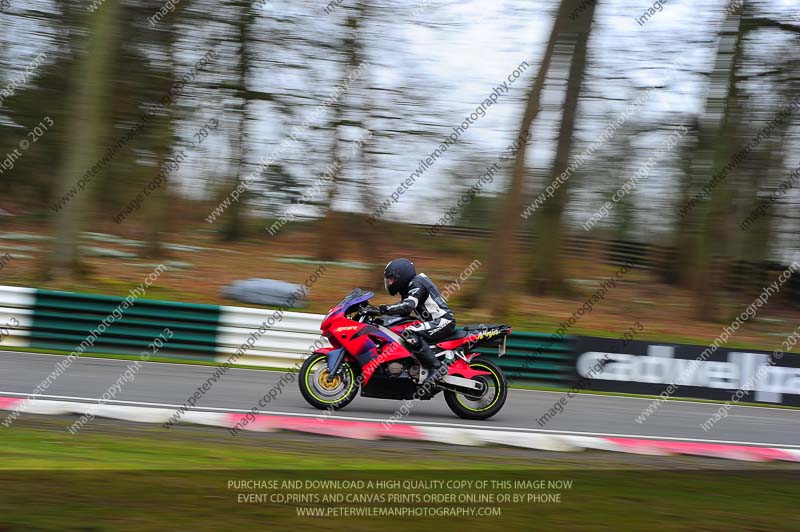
column 412, row 422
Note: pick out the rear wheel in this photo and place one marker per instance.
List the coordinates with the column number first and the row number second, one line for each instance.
column 485, row 404
column 326, row 393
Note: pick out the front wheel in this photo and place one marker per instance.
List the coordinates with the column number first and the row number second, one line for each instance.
column 485, row 404
column 324, row 393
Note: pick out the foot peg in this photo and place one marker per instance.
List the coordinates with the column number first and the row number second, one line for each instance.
column 432, row 378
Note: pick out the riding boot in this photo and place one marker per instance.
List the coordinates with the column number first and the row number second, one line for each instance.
column 429, row 361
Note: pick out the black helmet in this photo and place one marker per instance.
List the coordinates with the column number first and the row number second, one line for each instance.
column 397, row 275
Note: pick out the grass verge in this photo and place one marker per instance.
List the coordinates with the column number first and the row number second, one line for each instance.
column 123, row 477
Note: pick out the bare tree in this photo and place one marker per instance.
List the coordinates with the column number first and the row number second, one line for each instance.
column 547, row 271
column 501, row 251
column 90, row 90
column 353, row 51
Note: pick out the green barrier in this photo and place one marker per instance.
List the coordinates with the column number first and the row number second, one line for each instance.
column 63, row 320
column 536, row 358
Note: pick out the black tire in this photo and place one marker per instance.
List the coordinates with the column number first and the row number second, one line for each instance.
column 323, row 395
column 459, row 402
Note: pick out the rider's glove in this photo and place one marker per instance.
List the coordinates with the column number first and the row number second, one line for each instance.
column 383, row 308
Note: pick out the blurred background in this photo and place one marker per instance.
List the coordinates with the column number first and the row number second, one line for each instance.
column 519, row 152
column 626, row 169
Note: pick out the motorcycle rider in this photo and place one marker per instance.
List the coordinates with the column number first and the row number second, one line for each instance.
column 419, row 296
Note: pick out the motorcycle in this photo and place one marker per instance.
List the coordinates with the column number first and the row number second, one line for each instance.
column 368, row 353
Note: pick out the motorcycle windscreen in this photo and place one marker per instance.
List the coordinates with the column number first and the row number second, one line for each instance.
column 335, row 359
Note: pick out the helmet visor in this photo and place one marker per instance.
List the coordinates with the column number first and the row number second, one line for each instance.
column 388, row 282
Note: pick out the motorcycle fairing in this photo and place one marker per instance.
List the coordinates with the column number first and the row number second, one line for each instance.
column 369, row 358
column 490, row 335
column 461, row 368
column 371, row 346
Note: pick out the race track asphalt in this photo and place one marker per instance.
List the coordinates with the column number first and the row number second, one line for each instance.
column 169, row 385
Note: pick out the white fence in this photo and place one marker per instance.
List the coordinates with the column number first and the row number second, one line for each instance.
column 289, row 338
column 16, row 315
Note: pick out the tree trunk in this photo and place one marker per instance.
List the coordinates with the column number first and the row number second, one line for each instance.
column 234, row 228
column 671, row 264
column 371, row 236
column 502, row 247
column 90, row 91
column 158, row 204
column 714, row 237
column 328, row 245
column 547, row 272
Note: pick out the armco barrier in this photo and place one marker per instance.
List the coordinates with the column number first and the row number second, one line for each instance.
column 16, row 315
column 54, row 320
column 289, row 336
column 62, row 320
column 536, row 358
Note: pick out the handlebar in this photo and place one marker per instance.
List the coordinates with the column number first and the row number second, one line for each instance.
column 369, row 311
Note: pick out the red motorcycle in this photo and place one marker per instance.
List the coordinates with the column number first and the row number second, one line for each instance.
column 370, row 354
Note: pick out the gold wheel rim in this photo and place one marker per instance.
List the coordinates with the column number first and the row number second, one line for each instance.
column 326, row 384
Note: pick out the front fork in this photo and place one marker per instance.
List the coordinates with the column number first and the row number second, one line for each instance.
column 335, row 357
